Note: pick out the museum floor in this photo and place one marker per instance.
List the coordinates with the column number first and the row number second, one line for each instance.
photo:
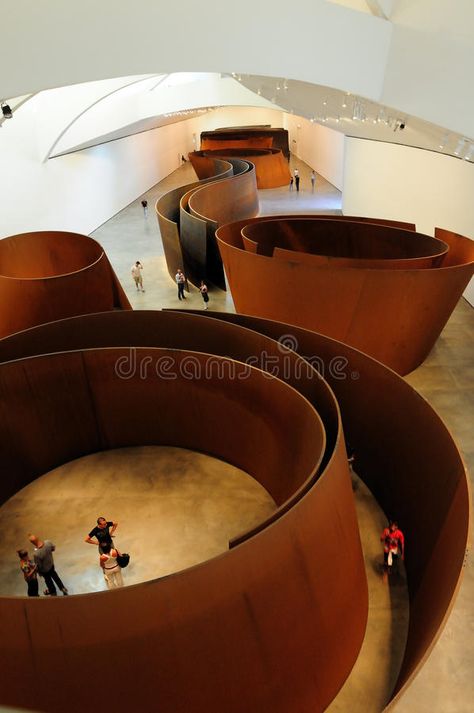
column 168, row 524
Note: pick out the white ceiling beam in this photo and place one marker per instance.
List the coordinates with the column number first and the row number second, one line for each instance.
column 381, row 8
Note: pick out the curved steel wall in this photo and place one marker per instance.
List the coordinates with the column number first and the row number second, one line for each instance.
column 392, row 309
column 250, row 136
column 237, row 632
column 289, row 602
column 408, row 459
column 271, row 166
column 52, row 275
column 188, row 235
column 168, row 214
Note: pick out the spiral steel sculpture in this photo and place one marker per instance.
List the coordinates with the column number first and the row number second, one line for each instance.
column 275, row 623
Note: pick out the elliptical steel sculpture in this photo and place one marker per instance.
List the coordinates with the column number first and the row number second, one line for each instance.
column 49, row 275
column 380, row 288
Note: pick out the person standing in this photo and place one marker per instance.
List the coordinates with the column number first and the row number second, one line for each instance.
column 43, row 556
column 291, row 183
column 145, row 208
column 137, row 275
column 297, row 179
column 393, row 545
column 102, row 532
column 181, row 282
column 313, row 181
column 204, row 292
column 29, row 570
column 110, row 566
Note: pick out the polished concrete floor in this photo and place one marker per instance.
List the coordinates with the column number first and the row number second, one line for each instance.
column 175, row 508
column 445, row 684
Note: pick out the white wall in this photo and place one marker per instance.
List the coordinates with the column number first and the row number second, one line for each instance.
column 319, row 147
column 402, row 183
column 80, row 191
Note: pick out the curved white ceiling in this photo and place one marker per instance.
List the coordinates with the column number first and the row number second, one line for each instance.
column 419, row 63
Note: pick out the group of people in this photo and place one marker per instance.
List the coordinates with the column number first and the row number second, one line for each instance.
column 180, row 278
column 295, row 179
column 108, row 554
column 42, row 561
column 137, row 269
column 42, row 564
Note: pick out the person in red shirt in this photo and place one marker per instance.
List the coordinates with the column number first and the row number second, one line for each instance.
column 393, row 545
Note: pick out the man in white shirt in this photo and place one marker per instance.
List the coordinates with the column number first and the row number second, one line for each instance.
column 181, row 282
column 137, row 275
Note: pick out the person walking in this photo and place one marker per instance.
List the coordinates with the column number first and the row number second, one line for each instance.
column 44, row 561
column 204, row 292
column 137, row 275
column 145, row 208
column 103, row 533
column 291, row 183
column 393, row 545
column 181, row 282
column 30, row 571
column 313, row 181
column 110, row 566
column 297, row 179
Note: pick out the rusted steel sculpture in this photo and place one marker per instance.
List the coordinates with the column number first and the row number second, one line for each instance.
column 275, row 623
column 263, row 136
column 168, row 214
column 408, row 459
column 189, row 216
column 50, row 275
column 270, row 165
column 384, row 290
column 234, row 633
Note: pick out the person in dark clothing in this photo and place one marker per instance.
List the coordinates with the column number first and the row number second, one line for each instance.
column 29, row 570
column 204, row 293
column 44, row 562
column 102, row 532
column 145, row 208
column 297, row 179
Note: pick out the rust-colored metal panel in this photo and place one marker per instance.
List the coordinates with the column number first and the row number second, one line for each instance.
column 408, row 459
column 248, row 134
column 231, row 199
column 395, row 315
column 218, row 144
column 271, row 166
column 52, row 275
column 188, row 237
column 167, row 210
column 274, row 603
column 348, row 240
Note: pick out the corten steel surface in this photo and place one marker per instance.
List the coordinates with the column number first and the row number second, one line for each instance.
column 189, row 237
column 270, row 625
column 52, row 275
column 372, row 245
column 257, row 142
column 249, row 134
column 270, row 165
column 168, row 214
column 408, row 459
column 394, row 313
column 233, row 198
